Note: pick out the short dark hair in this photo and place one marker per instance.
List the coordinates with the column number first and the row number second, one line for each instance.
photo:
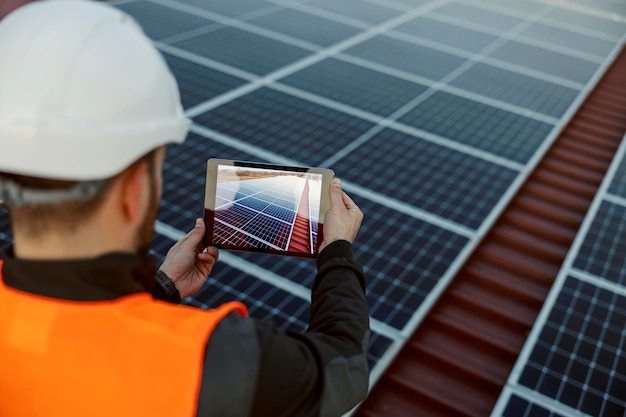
column 34, row 219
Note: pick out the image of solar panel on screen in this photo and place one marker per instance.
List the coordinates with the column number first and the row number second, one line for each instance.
column 265, row 208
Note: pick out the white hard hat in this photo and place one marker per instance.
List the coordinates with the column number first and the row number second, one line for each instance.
column 83, row 92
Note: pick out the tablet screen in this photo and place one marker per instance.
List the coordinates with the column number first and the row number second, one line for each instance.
column 265, row 208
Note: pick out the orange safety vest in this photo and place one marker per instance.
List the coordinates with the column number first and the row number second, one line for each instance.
column 133, row 356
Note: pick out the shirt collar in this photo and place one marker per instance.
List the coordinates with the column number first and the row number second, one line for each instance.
column 103, row 278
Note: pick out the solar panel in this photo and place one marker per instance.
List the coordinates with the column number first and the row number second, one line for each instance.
column 479, row 125
column 305, row 26
column 423, row 107
column 448, row 34
column 575, row 356
column 518, row 406
column 602, row 252
column 197, row 83
column 244, row 50
column 356, row 86
column 526, row 91
column 579, row 357
column 285, row 125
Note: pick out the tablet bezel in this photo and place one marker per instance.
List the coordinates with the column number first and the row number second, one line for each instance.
column 210, row 194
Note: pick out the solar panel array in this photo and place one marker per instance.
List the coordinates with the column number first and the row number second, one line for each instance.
column 574, row 362
column 432, row 112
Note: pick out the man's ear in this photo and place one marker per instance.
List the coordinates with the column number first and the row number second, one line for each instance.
column 134, row 192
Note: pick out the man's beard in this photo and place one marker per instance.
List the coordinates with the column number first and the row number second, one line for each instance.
column 146, row 229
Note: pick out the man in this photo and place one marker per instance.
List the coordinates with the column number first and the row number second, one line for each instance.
column 86, row 107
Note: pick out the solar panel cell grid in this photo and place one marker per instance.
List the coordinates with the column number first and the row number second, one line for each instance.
column 531, row 93
column 355, row 9
column 286, row 125
column 568, row 39
column 243, row 50
column 579, row 358
column 409, row 57
column 549, row 62
column 521, row 407
column 479, row 125
column 238, row 9
column 479, row 16
column 159, row 22
column 603, row 249
column 356, row 86
column 305, row 26
column 618, row 184
column 574, row 18
column 443, row 181
column 403, row 258
column 447, row 34
column 197, row 83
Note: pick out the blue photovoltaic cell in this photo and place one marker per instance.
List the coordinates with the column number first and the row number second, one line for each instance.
column 573, row 18
column 305, row 26
column 524, row 7
column 160, row 22
column 403, row 259
column 356, row 86
column 238, row 8
column 521, row 90
column 479, row 16
column 579, row 357
column 378, row 347
column 569, row 39
column 243, row 50
column 549, row 62
column 198, row 83
column 286, row 125
column 356, row 9
column 447, row 34
column 409, row 57
column 521, row 407
column 479, row 125
column 618, row 184
column 446, row 182
column 603, row 250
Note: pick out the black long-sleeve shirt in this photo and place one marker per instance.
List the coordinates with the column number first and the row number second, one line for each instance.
column 251, row 367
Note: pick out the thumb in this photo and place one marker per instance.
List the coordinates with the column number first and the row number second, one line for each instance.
column 195, row 235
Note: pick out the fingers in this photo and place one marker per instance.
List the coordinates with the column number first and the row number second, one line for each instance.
column 348, row 202
column 209, row 254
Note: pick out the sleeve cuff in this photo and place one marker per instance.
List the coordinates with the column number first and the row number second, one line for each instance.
column 337, row 249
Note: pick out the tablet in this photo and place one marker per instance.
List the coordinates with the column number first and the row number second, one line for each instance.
column 256, row 207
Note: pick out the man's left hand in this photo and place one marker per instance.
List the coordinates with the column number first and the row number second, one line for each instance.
column 188, row 263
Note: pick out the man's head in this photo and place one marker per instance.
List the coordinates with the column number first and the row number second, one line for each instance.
column 86, row 107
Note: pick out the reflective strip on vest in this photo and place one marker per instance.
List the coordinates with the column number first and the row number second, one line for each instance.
column 132, row 356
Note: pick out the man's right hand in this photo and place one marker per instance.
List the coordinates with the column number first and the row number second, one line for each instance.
column 343, row 218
